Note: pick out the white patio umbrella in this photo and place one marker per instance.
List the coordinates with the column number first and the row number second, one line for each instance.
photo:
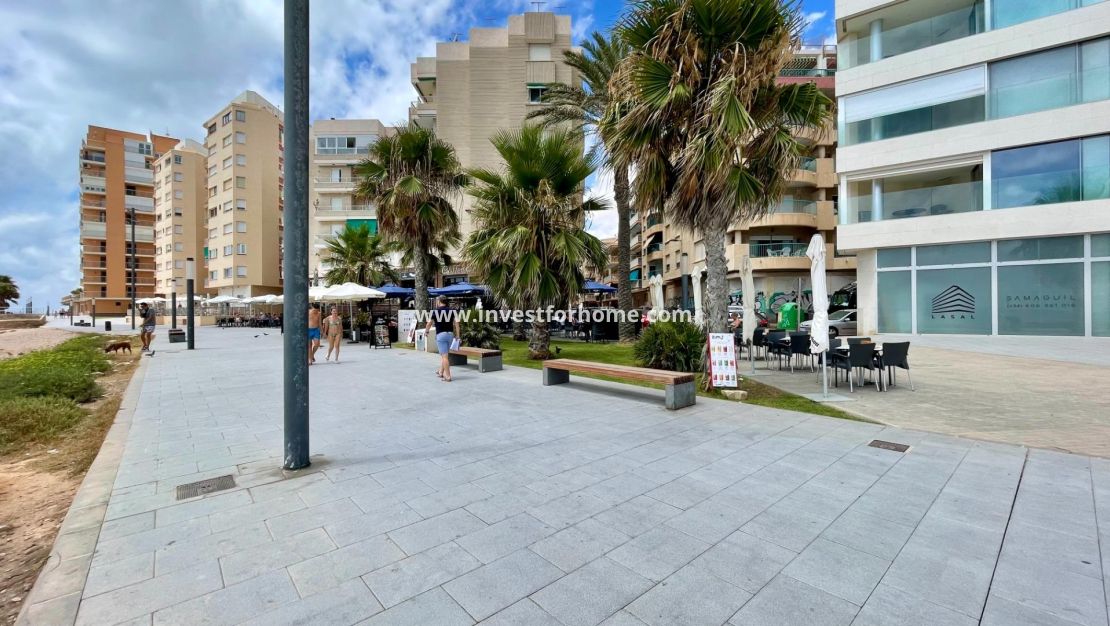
column 224, row 300
column 154, row 300
column 747, row 285
column 314, row 293
column 350, row 292
column 655, row 284
column 695, row 283
column 819, row 328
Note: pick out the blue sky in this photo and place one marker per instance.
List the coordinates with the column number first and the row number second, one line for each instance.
column 66, row 64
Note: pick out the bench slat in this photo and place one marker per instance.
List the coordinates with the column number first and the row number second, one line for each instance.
column 624, row 371
column 476, row 351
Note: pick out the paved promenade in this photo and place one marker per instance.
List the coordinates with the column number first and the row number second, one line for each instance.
column 494, row 499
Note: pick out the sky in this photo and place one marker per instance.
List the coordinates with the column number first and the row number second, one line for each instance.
column 165, row 67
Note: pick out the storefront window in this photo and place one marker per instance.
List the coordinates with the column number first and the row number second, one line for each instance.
column 954, row 254
column 1044, row 299
column 954, row 301
column 1100, row 245
column 1039, row 249
column 895, row 302
column 1100, row 299
column 894, row 257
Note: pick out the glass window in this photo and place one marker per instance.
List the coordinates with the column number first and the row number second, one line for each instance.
column 240, row 159
column 1100, row 245
column 177, row 159
column 1041, row 174
column 933, row 192
column 1034, row 82
column 1043, row 299
column 952, row 254
column 227, row 272
column 1096, row 167
column 240, row 182
column 227, row 163
column 917, row 106
column 954, row 301
column 240, row 227
column 895, row 306
column 241, row 270
column 227, row 140
column 240, row 138
column 1100, row 299
column 178, row 176
column 1009, row 12
column 535, row 93
column 241, row 205
column 241, row 248
column 894, row 257
column 240, row 116
column 227, row 229
column 539, row 52
column 1094, row 70
column 1040, row 249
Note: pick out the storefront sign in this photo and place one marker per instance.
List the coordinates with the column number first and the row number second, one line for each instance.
column 722, row 360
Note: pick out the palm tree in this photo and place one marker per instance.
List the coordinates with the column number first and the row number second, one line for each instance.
column 357, row 256
column 707, row 125
column 529, row 244
column 590, row 109
column 9, row 292
column 412, row 176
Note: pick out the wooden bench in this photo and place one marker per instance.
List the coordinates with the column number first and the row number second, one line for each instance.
column 488, row 360
column 679, row 386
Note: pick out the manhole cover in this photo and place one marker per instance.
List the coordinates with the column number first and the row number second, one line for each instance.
column 879, row 443
column 202, row 487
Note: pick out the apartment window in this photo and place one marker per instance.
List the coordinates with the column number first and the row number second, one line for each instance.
column 212, row 170
column 179, row 194
column 213, row 275
column 177, row 211
column 240, row 159
column 241, row 271
column 227, row 163
column 930, row 192
column 227, row 229
column 240, row 137
column 241, row 205
column 535, row 93
column 227, row 206
column 158, row 168
column 177, row 159
column 1062, row 171
column 226, row 119
column 179, row 247
column 1009, row 12
column 227, row 272
column 211, row 192
column 179, row 265
column 1051, row 79
column 211, row 233
column 227, row 141
column 539, row 52
column 240, row 182
column 177, row 229
column 240, row 116
column 917, row 106
column 240, row 227
column 241, row 248
column 228, row 250
column 212, row 212
column 211, row 128
column 179, row 176
column 227, row 184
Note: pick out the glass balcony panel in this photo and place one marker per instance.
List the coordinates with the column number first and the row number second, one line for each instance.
column 796, row 205
column 1040, row 174
column 920, row 120
column 903, row 33
column 917, row 198
column 1009, row 12
column 778, row 249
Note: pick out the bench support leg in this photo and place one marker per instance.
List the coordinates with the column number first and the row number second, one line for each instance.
column 555, row 377
column 489, row 363
column 681, row 395
column 456, row 359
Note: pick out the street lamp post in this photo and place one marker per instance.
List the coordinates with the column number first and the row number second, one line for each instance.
column 173, row 303
column 190, row 275
column 684, row 268
column 134, row 268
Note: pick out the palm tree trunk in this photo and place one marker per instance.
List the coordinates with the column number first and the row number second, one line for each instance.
column 539, row 347
column 419, row 263
column 518, row 331
column 627, row 327
column 716, row 284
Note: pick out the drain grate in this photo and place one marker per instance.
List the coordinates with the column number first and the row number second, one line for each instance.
column 206, row 486
column 886, row 445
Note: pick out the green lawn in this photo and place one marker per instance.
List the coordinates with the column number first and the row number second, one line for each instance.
column 516, row 353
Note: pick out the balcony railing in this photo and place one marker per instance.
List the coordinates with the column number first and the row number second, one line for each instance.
column 963, row 22
column 344, row 210
column 778, row 249
column 324, row 184
column 808, row 164
column 790, row 205
column 654, row 247
column 93, row 156
column 807, row 71
column 343, row 151
column 654, row 220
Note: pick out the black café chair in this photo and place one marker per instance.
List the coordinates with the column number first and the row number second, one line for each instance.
column 773, row 345
column 759, row 340
column 896, row 355
column 799, row 347
column 857, row 340
column 861, row 356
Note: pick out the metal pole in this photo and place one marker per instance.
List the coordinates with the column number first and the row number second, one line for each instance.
column 134, row 269
column 824, row 376
column 173, row 305
column 295, row 263
column 190, row 274
column 94, row 313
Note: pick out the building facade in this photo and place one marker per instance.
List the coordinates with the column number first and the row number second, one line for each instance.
column 337, row 146
column 243, row 244
column 180, row 213
column 974, row 165
column 775, row 243
column 472, row 89
column 116, row 171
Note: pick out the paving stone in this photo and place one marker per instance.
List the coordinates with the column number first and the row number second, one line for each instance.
column 332, row 569
column 888, row 606
column 353, row 529
column 692, row 595
column 711, row 520
column 449, row 499
column 523, row 613
column 591, row 593
column 573, row 547
column 658, row 553
column 788, row 601
column 1002, row 612
column 312, row 517
column 868, row 533
column 505, row 537
column 114, row 529
column 493, row 587
column 60, row 610
column 568, row 510
column 431, row 532
column 621, row 488
column 1053, row 590
column 73, row 544
column 257, row 512
column 233, row 604
column 416, row 574
column 186, row 553
column 430, row 607
column 150, row 595
column 119, row 574
column 842, row 571
column 149, row 540
column 202, row 507
column 638, row 515
column 745, row 561
column 275, row 555
column 623, row 618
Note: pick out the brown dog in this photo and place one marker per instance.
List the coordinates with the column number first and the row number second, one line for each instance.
column 118, row 347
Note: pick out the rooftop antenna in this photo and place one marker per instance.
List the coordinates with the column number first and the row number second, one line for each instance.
column 537, row 5
column 455, row 36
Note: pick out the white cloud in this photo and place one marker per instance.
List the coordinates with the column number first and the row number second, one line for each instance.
column 602, row 224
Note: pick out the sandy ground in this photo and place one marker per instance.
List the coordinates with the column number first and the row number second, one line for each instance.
column 15, row 342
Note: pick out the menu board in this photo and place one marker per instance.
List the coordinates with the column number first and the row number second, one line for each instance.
column 722, row 360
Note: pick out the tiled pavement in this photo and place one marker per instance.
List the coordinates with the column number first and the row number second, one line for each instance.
column 498, row 500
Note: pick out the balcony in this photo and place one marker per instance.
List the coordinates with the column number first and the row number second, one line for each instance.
column 930, row 193
column 93, row 204
column 93, row 184
column 92, row 157
column 138, row 175
column 902, row 28
column 93, row 230
column 140, row 203
column 354, row 211
column 333, row 186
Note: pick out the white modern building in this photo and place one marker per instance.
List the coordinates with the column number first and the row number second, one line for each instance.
column 974, row 164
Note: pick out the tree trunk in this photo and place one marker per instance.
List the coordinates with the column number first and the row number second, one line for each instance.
column 419, row 263
column 539, row 347
column 627, row 327
column 715, row 299
column 518, row 331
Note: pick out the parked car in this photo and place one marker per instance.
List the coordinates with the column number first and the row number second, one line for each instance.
column 842, row 322
column 761, row 320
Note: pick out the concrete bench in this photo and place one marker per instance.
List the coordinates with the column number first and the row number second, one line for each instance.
column 488, row 360
column 679, row 386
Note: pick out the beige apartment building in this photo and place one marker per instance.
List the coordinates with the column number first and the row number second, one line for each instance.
column 116, row 170
column 471, row 89
column 180, row 213
column 243, row 191
column 337, row 146
column 776, row 243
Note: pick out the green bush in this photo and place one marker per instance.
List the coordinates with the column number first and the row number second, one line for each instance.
column 677, row 346
column 30, row 420
column 478, row 334
column 68, row 370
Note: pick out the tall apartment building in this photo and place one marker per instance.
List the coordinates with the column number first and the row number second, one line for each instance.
column 180, row 213
column 974, row 165
column 471, row 89
column 775, row 243
column 337, row 146
column 117, row 181
column 244, row 198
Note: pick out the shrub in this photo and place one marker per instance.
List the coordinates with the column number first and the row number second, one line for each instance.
column 478, row 334
column 68, row 370
column 30, row 420
column 676, row 346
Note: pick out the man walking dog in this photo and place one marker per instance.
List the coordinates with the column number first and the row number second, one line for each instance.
column 147, row 334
